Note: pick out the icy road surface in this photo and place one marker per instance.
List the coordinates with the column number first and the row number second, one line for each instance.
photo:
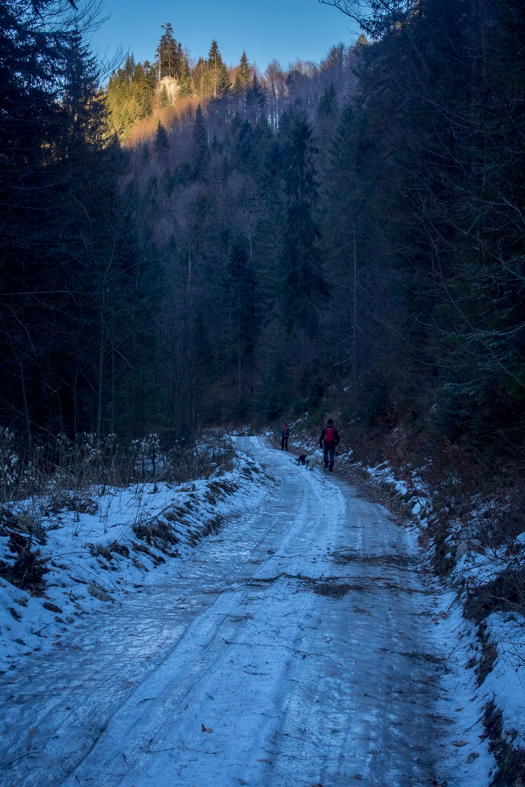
column 292, row 649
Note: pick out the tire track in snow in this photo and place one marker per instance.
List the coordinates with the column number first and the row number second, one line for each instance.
column 299, row 687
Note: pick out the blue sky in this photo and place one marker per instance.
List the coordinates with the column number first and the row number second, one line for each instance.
column 281, row 29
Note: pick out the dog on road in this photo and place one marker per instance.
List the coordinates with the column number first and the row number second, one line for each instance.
column 310, row 462
column 301, row 459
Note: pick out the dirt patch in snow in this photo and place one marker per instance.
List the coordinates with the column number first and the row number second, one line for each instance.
column 332, row 589
column 396, row 561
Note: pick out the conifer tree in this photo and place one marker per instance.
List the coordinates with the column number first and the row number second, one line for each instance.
column 224, row 83
column 201, row 79
column 241, row 303
column 327, row 107
column 128, row 72
column 143, row 87
column 185, row 82
column 161, row 142
column 255, row 99
column 244, row 74
column 164, row 97
column 327, row 116
column 200, row 145
column 214, row 55
column 214, row 65
column 170, row 55
column 304, row 289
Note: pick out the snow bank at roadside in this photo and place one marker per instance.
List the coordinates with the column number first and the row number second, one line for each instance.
column 121, row 539
column 486, row 657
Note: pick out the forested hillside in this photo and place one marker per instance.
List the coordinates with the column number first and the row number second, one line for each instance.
column 199, row 243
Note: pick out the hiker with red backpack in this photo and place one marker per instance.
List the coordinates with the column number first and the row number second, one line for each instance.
column 328, row 441
column 284, row 434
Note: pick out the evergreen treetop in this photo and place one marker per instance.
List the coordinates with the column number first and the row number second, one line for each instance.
column 224, row 83
column 170, row 55
column 185, row 81
column 161, row 143
column 214, row 56
column 244, row 74
column 255, row 98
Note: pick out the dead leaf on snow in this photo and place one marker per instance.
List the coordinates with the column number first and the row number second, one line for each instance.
column 459, row 743
column 206, row 729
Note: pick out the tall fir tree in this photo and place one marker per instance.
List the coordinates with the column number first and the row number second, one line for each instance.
column 243, row 75
column 161, row 143
column 202, row 79
column 185, row 81
column 164, row 97
column 214, row 65
column 224, row 83
column 255, row 99
column 304, row 288
column 200, row 145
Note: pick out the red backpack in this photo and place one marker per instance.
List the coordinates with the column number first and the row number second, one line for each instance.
column 329, row 434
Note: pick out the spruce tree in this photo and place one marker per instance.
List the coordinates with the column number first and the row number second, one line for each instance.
column 164, row 97
column 143, row 88
column 242, row 307
column 128, row 72
column 304, row 289
column 255, row 99
column 214, row 55
column 224, row 83
column 161, row 142
column 244, row 74
column 327, row 116
column 201, row 79
column 200, row 145
column 327, row 107
column 214, row 65
column 185, row 82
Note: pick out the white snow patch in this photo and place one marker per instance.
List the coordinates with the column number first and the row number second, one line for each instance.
column 86, row 567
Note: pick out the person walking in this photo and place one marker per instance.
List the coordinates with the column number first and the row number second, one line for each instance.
column 284, row 435
column 328, row 441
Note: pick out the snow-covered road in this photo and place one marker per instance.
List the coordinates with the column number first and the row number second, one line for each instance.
column 292, row 648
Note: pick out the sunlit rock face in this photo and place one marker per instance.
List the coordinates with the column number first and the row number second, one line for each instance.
column 168, row 87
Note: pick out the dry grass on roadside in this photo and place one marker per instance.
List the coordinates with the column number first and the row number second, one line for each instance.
column 65, row 472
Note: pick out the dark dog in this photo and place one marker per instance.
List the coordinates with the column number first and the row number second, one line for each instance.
column 301, row 459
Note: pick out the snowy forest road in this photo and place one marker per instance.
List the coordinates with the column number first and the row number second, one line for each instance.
column 293, row 649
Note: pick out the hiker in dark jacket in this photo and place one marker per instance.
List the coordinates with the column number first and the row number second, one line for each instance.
column 284, row 435
column 328, row 441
